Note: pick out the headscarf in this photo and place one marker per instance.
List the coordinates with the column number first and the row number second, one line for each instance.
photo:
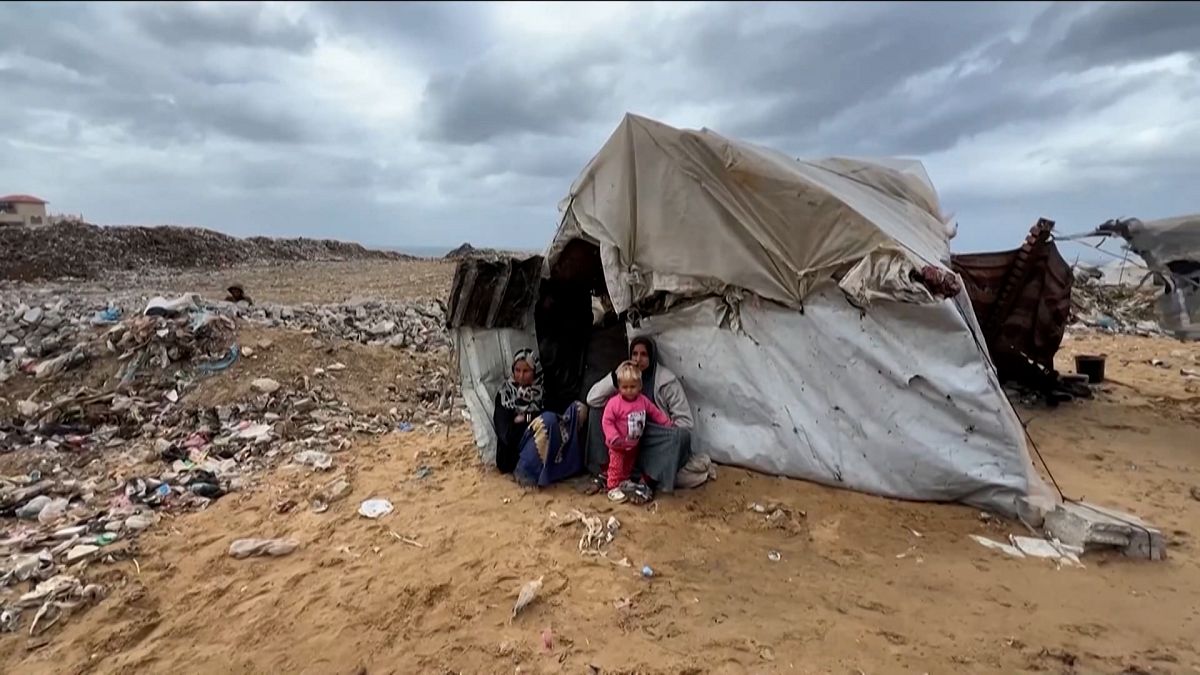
column 648, row 373
column 521, row 398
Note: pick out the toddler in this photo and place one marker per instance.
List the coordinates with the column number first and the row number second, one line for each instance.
column 624, row 420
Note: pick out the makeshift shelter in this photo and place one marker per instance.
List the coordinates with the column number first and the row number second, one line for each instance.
column 1022, row 299
column 1171, row 249
column 807, row 306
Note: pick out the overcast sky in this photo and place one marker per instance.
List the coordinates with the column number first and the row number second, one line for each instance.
column 429, row 124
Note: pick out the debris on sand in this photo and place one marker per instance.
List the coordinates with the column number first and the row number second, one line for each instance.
column 526, row 596
column 245, row 548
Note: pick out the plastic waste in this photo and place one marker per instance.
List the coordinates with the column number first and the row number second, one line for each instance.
column 244, row 548
column 160, row 306
column 404, row 427
column 222, row 363
column 375, row 508
column 321, row 461
column 33, row 507
column 647, row 571
column 207, row 490
column 774, row 556
column 56, row 509
column 527, row 595
column 107, row 317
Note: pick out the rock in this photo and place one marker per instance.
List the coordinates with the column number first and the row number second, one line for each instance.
column 1090, row 527
column 1195, row 492
column 266, row 385
column 33, row 507
column 27, row 408
column 32, row 317
column 81, row 552
column 112, row 526
column 336, row 367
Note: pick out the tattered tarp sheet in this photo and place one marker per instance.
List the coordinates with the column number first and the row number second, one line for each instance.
column 1022, row 298
column 485, row 357
column 1160, row 242
column 896, row 401
column 693, row 212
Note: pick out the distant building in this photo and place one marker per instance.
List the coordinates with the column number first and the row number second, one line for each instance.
column 24, row 210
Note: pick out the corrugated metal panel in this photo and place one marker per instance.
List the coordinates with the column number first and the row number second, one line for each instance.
column 494, row 293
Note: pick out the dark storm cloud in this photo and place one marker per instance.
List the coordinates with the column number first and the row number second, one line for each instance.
column 1120, row 32
column 242, row 24
column 437, row 122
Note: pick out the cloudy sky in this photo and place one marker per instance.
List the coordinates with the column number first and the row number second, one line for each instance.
column 431, row 124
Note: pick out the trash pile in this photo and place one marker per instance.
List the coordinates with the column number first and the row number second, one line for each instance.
column 1126, row 308
column 416, row 325
column 96, row 461
column 80, row 250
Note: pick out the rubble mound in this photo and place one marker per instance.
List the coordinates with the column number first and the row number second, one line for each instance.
column 1129, row 308
column 81, row 250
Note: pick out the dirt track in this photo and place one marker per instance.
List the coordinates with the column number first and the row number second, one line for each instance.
column 857, row 590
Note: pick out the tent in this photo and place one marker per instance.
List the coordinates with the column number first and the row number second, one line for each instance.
column 808, row 307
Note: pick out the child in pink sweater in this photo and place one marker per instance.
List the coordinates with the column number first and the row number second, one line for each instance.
column 624, row 421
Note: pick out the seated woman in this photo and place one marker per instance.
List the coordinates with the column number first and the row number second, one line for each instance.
column 518, row 402
column 666, row 452
column 553, row 447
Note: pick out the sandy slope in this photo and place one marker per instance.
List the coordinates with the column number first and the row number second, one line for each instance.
column 856, row 589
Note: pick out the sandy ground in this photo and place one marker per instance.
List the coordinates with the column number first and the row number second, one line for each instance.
column 866, row 585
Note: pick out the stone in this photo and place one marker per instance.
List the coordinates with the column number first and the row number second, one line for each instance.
column 10, row 340
column 33, row 507
column 1091, row 527
column 27, row 408
column 113, row 526
column 33, row 317
column 266, row 385
column 336, row 367
column 81, row 552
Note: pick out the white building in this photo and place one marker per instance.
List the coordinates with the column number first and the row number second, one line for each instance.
column 24, row 210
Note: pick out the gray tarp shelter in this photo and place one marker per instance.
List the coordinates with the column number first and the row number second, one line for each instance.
column 791, row 298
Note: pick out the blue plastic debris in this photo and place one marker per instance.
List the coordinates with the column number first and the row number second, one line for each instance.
column 404, row 426
column 219, row 365
column 107, row 317
column 647, row 571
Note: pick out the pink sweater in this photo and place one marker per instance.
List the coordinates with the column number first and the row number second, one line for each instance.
column 624, row 421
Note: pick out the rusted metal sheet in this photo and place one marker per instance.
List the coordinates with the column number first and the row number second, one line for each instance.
column 494, row 292
column 1022, row 299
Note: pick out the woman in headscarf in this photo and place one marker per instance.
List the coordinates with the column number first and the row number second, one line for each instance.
column 553, row 447
column 518, row 402
column 666, row 452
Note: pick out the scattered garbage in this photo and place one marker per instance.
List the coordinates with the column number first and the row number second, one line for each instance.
column 647, row 571
column 774, row 556
column 265, row 385
column 1006, row 549
column 245, row 548
column 375, row 508
column 526, row 596
column 321, row 461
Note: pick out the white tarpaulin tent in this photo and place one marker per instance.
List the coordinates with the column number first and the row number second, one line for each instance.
column 760, row 257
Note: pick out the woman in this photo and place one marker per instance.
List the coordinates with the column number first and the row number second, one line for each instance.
column 666, row 455
column 518, row 402
column 553, row 447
